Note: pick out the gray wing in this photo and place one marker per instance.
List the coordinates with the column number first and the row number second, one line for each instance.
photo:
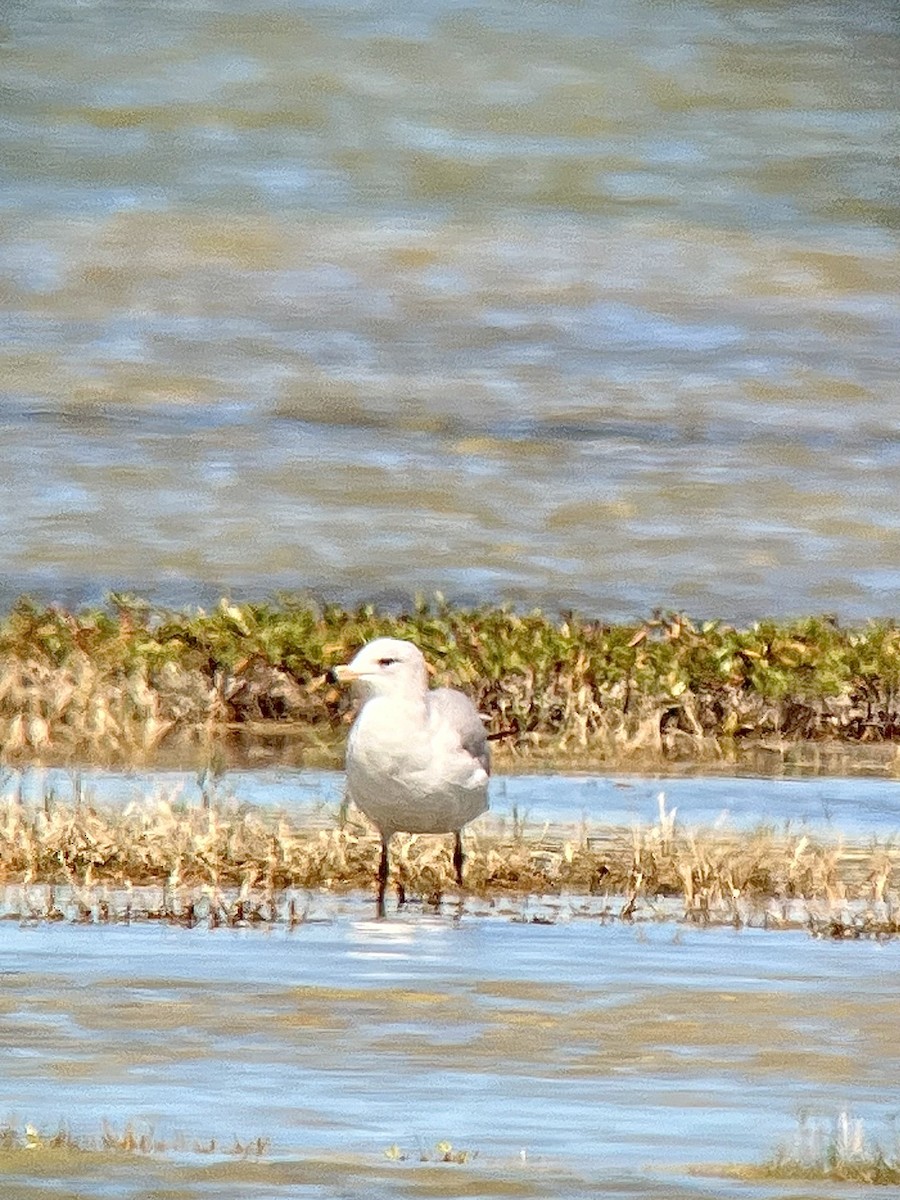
column 457, row 708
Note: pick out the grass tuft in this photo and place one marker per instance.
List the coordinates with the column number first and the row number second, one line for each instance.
column 442, row 1152
column 840, row 1153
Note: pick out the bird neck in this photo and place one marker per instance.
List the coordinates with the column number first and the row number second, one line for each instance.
column 395, row 715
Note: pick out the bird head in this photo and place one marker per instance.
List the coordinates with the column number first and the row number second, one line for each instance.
column 385, row 667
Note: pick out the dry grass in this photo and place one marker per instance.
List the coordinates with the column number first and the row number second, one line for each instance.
column 232, row 866
column 129, row 1140
column 839, row 1152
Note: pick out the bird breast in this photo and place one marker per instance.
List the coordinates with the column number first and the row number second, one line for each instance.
column 404, row 778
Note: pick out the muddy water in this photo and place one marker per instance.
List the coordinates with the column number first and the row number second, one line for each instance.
column 576, row 1058
column 568, row 304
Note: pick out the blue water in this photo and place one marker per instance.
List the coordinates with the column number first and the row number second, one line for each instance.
column 589, row 305
column 855, row 807
column 352, row 1035
column 619, row 1054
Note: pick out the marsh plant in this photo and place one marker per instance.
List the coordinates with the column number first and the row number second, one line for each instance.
column 230, row 864
column 130, row 1139
column 441, row 1152
column 127, row 682
column 839, row 1150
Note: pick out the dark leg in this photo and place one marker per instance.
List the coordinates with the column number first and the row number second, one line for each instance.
column 458, row 858
column 382, row 876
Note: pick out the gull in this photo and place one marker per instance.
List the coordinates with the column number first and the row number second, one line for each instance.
column 417, row 758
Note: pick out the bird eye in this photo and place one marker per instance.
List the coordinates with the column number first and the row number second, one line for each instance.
column 386, row 662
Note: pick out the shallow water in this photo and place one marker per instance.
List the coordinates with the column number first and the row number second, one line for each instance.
column 558, row 303
column 576, row 1058
column 856, row 807
column 600, row 1051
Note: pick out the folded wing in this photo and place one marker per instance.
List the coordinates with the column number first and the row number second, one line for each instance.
column 452, row 709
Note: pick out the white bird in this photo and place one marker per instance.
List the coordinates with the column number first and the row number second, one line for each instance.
column 417, row 759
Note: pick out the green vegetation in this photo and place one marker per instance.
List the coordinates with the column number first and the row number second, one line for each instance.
column 131, row 682
column 234, row 866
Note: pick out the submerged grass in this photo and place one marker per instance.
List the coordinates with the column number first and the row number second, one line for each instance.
column 232, row 865
column 124, row 683
column 28, row 1140
column 444, row 1152
column 130, row 1139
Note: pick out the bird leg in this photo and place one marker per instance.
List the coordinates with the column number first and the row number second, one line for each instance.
column 382, row 876
column 458, row 858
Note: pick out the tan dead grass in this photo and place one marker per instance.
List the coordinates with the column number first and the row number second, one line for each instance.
column 233, row 865
column 838, row 1152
